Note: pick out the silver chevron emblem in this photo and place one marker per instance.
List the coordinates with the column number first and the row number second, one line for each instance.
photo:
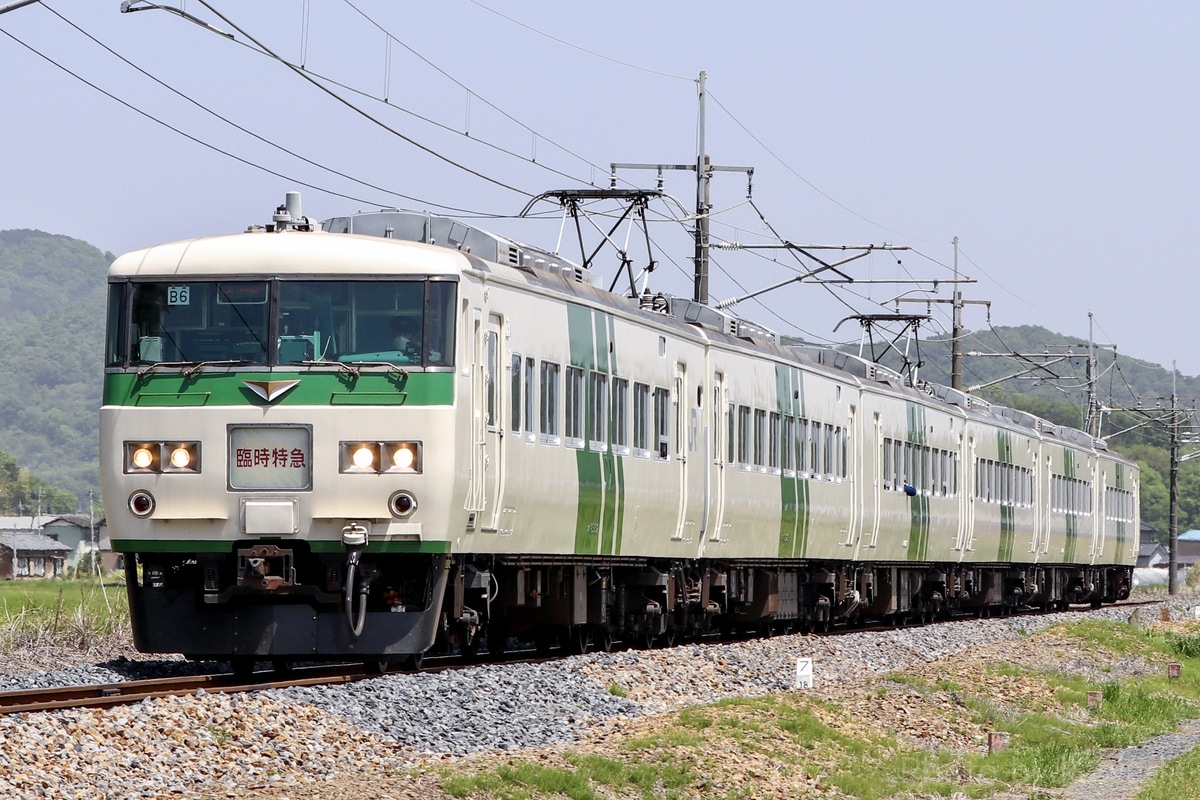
column 271, row 390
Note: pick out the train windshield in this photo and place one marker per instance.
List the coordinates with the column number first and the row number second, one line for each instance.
column 282, row 322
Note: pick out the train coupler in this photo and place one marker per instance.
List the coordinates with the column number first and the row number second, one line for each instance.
column 266, row 567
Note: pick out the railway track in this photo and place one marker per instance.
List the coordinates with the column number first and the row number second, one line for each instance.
column 128, row 692
column 108, row 695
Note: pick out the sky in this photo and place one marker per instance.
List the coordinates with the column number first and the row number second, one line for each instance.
column 1056, row 141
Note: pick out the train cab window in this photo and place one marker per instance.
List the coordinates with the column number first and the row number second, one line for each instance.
column 188, row 322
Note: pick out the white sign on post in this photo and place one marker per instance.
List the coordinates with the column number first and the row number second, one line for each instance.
column 804, row 673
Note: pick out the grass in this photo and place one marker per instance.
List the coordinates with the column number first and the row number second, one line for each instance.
column 73, row 614
column 794, row 745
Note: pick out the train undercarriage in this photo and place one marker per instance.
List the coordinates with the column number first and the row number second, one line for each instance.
column 594, row 603
column 266, row 602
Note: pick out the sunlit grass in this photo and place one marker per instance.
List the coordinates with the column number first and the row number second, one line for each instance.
column 720, row 750
column 76, row 614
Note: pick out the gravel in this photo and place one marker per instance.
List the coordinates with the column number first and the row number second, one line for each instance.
column 186, row 747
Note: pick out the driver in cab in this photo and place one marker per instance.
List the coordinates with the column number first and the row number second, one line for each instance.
column 406, row 338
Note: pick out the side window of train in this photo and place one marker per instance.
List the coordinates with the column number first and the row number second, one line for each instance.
column 515, row 386
column 549, row 402
column 620, row 415
column 760, row 439
column 730, row 437
column 743, row 437
column 574, row 408
column 491, row 353
column 530, row 377
column 641, row 420
column 662, row 423
column 598, row 411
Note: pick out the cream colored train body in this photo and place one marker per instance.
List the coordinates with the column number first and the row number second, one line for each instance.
column 551, row 461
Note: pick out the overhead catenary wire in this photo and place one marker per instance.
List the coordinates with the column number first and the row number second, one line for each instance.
column 413, row 142
column 245, row 130
column 181, row 132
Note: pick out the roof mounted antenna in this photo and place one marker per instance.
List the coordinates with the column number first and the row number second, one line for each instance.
column 288, row 215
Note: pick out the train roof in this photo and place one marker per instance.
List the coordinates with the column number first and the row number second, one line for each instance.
column 306, row 253
column 387, row 236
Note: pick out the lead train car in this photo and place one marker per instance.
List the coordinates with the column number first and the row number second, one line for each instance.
column 547, row 460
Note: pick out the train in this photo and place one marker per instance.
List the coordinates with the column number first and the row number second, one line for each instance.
column 391, row 433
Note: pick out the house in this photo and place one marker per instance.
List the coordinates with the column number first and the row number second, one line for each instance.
column 1189, row 546
column 80, row 532
column 28, row 554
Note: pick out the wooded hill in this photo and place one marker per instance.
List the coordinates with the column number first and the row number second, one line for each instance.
column 52, row 303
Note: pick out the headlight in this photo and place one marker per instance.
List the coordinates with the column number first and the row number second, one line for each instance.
column 406, row 456
column 156, row 457
column 364, row 458
column 379, row 457
column 358, row 457
column 143, row 458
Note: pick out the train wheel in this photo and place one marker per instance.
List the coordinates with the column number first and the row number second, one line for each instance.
column 242, row 666
column 579, row 639
column 283, row 666
column 413, row 662
column 497, row 638
column 647, row 640
column 603, row 641
column 376, row 666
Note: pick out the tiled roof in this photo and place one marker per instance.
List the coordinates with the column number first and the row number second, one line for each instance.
column 31, row 542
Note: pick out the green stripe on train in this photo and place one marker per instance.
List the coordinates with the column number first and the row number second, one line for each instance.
column 172, row 390
column 601, row 475
column 226, row 546
column 794, row 516
column 1069, row 467
column 918, row 533
column 1004, row 449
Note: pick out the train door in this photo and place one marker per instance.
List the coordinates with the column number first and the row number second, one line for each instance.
column 684, row 430
column 847, row 466
column 876, row 487
column 967, row 499
column 487, row 461
column 1099, row 483
column 714, row 459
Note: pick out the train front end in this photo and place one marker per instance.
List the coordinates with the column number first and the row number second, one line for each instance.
column 278, row 443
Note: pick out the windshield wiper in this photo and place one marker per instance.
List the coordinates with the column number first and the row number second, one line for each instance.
column 391, row 367
column 326, row 363
column 146, row 370
column 227, row 362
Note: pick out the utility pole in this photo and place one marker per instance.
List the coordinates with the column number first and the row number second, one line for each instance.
column 92, row 529
column 703, row 178
column 956, row 330
column 1173, row 491
column 704, row 170
column 956, row 325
